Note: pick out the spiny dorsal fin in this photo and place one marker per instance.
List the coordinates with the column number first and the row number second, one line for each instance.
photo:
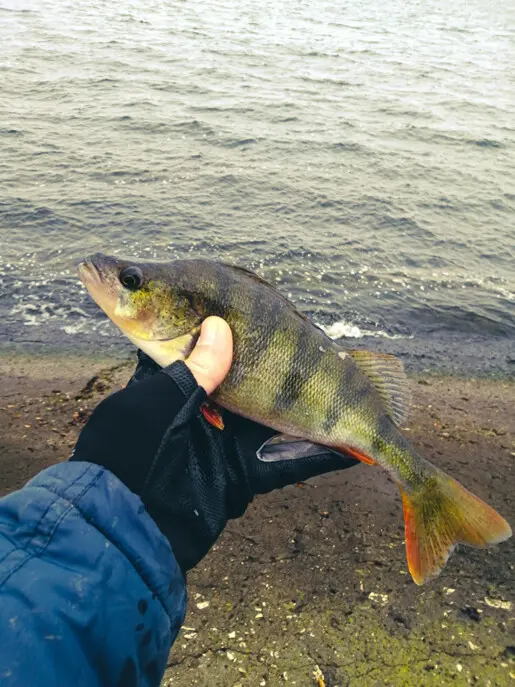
column 260, row 280
column 386, row 372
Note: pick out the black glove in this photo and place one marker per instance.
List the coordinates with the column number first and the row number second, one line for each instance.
column 191, row 477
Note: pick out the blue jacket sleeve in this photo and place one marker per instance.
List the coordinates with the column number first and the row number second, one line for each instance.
column 90, row 592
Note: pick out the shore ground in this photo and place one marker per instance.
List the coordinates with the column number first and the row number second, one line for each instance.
column 310, row 587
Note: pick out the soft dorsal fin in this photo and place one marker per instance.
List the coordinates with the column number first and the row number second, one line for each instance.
column 386, row 372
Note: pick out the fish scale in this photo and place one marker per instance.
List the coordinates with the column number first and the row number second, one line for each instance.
column 287, row 374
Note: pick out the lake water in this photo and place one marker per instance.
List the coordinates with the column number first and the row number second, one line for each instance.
column 361, row 155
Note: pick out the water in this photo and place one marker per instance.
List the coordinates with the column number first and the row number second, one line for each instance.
column 361, row 155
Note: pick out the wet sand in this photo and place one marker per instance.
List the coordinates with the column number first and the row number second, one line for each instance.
column 310, row 587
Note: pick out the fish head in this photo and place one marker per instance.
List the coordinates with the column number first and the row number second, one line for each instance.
column 143, row 300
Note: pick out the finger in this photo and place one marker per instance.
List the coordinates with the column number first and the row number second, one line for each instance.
column 211, row 358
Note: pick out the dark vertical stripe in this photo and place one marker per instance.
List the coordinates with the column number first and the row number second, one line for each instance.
column 304, row 364
column 342, row 388
column 223, row 288
column 383, row 434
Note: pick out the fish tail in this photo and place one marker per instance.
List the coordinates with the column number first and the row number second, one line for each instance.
column 441, row 514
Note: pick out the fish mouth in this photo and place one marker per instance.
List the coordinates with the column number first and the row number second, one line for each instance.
column 97, row 268
column 99, row 275
column 88, row 272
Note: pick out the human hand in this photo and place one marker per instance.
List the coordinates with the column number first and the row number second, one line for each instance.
column 191, row 477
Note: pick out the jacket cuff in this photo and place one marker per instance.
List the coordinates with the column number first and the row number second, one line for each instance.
column 111, row 508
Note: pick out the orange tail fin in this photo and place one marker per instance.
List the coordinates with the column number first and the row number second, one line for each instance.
column 441, row 515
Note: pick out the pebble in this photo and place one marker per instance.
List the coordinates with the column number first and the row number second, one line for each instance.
column 377, row 598
column 498, row 603
column 202, row 604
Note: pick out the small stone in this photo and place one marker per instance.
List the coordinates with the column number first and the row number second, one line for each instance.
column 202, row 604
column 190, row 635
column 258, row 616
column 498, row 603
column 459, row 667
column 381, row 599
column 448, row 590
column 232, row 635
column 230, row 656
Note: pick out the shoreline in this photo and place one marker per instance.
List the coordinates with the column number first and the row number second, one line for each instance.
column 316, row 576
column 456, row 354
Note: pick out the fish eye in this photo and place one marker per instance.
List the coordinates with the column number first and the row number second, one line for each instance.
column 131, row 278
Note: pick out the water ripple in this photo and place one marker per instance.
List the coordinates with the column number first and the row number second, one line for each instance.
column 359, row 156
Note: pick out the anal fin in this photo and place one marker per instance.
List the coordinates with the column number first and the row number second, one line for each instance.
column 358, row 455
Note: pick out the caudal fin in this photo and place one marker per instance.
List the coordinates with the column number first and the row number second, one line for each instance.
column 441, row 515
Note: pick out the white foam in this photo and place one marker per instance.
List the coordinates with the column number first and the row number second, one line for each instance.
column 71, row 320
column 342, row 330
column 347, row 330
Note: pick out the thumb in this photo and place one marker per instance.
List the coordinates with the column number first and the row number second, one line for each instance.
column 211, row 358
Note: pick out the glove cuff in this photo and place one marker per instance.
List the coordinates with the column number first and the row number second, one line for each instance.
column 183, row 377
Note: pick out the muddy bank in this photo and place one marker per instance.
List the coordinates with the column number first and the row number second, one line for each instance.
column 311, row 586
